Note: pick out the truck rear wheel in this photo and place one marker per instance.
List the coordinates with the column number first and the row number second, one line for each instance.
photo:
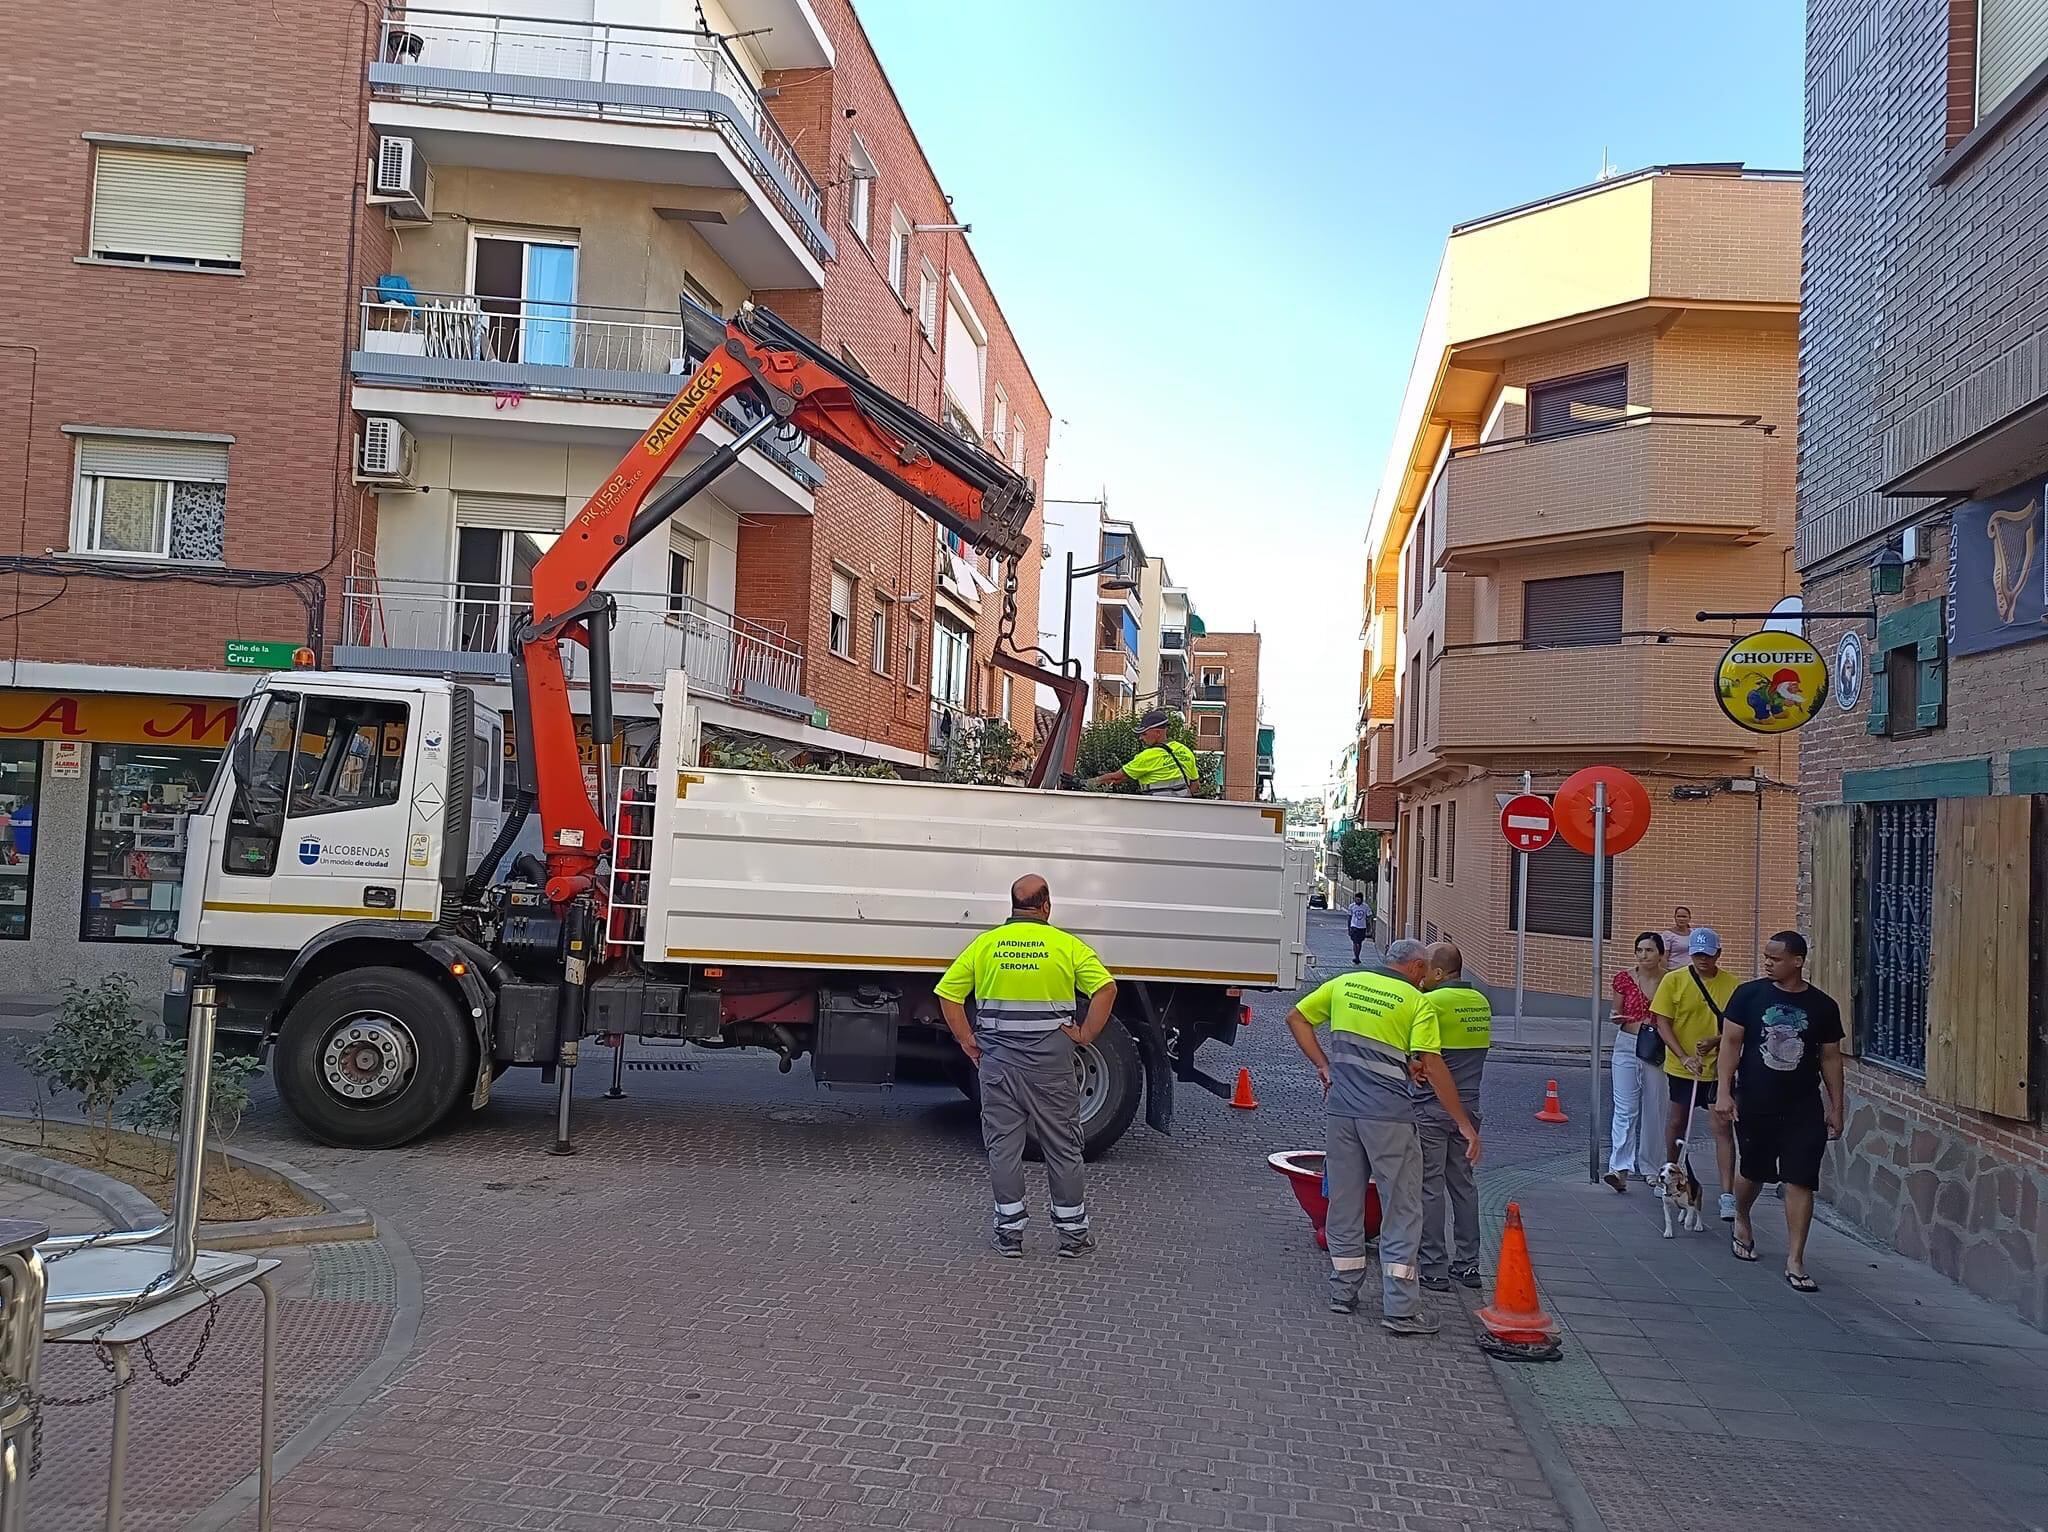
column 1112, row 1084
column 374, row 1058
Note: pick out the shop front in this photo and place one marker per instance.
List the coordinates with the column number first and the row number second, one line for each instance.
column 94, row 790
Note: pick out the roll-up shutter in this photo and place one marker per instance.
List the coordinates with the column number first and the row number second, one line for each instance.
column 167, row 204
column 1581, row 609
column 542, row 514
column 2012, row 41
column 143, row 457
column 1573, row 404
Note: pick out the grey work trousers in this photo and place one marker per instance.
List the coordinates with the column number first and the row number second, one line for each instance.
column 1028, row 1087
column 1445, row 1170
column 1390, row 1153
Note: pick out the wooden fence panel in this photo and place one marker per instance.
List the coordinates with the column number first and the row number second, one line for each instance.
column 1977, row 1011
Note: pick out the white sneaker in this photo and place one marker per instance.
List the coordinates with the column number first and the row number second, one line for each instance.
column 1727, row 1207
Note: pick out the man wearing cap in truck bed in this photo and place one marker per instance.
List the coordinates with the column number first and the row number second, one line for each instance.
column 1163, row 769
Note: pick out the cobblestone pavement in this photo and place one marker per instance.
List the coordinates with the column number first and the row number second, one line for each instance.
column 748, row 1304
column 188, row 1447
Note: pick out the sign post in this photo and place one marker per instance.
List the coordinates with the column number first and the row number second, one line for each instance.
column 1599, row 909
column 1602, row 811
column 1529, row 825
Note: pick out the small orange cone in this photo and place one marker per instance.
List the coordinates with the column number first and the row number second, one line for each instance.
column 1515, row 1320
column 1242, row 1097
column 1553, row 1109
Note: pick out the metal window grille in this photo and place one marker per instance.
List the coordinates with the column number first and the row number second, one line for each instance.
column 1899, row 900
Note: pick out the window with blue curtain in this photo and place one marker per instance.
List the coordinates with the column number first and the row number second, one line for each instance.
column 550, row 300
column 1130, row 634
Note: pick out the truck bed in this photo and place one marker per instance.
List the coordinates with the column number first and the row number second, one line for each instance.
column 812, row 871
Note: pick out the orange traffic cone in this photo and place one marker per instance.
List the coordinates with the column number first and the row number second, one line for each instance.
column 1242, row 1097
column 1553, row 1109
column 1515, row 1321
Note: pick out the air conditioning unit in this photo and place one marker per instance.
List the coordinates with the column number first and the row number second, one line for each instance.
column 384, row 454
column 401, row 180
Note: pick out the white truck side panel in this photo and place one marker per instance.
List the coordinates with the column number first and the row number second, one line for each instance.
column 819, row 871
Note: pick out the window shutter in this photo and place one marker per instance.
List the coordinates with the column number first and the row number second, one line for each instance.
column 543, row 514
column 161, row 202
column 1572, row 404
column 1581, row 609
column 143, row 457
column 2012, row 40
column 1561, row 893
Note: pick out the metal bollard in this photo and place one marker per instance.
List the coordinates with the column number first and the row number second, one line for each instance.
column 21, row 1344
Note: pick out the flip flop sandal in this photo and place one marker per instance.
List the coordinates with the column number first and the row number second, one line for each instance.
column 1799, row 1281
column 1744, row 1250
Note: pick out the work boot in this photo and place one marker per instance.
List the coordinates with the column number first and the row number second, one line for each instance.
column 1075, row 1246
column 1436, row 1284
column 1009, row 1243
column 1409, row 1324
column 1344, row 1294
column 1467, row 1276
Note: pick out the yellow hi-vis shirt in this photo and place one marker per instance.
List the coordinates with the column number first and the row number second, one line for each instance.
column 1024, row 976
column 1168, row 768
column 1376, row 1020
column 1464, row 1022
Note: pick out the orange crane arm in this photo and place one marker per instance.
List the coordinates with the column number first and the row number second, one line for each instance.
column 963, row 488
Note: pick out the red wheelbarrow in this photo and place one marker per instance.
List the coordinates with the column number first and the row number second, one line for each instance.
column 1304, row 1171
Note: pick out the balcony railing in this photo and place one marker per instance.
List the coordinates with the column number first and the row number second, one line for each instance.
column 1653, row 471
column 465, row 629
column 590, row 69
column 1210, row 691
column 1174, row 640
column 572, row 350
column 1650, row 692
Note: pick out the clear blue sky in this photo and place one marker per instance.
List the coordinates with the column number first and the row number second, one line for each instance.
column 1214, row 228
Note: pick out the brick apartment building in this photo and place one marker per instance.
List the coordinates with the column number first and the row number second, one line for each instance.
column 1596, row 442
column 319, row 339
column 1924, row 439
column 1224, row 710
column 176, row 429
column 907, row 301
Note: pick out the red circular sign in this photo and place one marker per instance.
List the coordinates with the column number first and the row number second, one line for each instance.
column 1527, row 822
column 1628, row 809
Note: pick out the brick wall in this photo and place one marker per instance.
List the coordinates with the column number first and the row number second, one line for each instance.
column 1238, row 653
column 1913, row 288
column 260, row 356
column 785, row 570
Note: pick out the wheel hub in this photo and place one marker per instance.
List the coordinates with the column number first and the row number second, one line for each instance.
column 369, row 1057
column 1092, row 1078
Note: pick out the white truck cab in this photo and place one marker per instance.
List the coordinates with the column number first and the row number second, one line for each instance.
column 343, row 798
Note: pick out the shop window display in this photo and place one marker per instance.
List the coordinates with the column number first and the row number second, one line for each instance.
column 21, row 773
column 135, row 842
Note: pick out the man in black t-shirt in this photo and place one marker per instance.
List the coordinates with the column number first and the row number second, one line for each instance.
column 1781, row 1039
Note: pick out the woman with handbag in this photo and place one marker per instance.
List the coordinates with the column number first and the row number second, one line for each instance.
column 1637, row 1068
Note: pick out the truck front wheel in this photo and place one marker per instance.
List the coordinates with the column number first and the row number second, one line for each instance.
column 374, row 1058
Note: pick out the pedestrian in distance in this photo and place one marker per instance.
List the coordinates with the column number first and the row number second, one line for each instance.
column 1781, row 1091
column 1360, row 916
column 1377, row 1020
column 1464, row 1024
column 1688, row 1009
column 1637, row 1080
column 1024, row 978
column 1676, row 938
column 1164, row 768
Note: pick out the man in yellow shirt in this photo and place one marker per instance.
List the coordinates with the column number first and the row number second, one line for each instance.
column 1378, row 1023
column 1024, row 978
column 1165, row 768
column 1688, row 1009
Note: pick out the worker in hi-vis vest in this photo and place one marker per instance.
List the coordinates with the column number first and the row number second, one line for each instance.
column 1164, row 768
column 1025, row 978
column 1378, row 1022
column 1464, row 1025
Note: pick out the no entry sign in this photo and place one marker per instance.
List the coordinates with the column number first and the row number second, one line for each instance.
column 1527, row 822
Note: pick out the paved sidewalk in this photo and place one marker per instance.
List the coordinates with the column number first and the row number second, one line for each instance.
column 1700, row 1392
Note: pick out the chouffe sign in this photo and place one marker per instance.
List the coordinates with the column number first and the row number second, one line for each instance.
column 1771, row 683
